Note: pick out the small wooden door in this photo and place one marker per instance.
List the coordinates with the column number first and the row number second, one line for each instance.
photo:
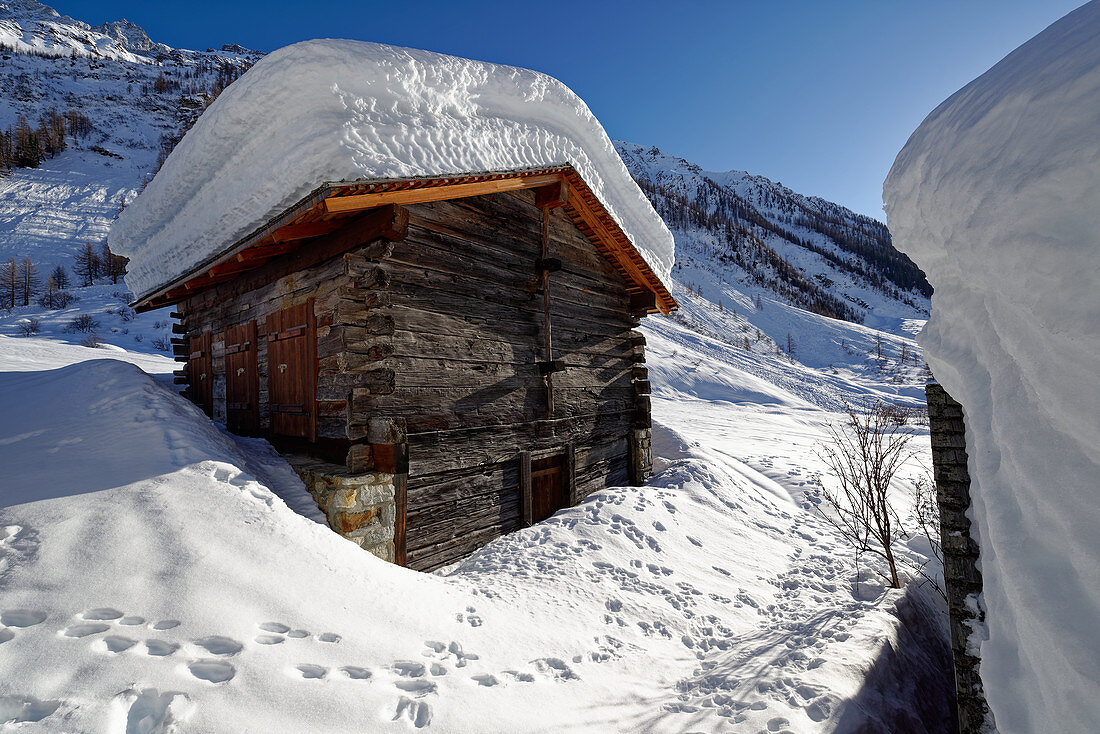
column 292, row 371
column 242, row 380
column 548, row 487
column 200, row 375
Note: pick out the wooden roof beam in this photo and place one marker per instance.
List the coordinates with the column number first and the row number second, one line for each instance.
column 359, row 202
column 602, row 232
column 291, row 232
column 552, row 196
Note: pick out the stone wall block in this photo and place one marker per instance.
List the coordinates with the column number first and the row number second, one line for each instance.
column 947, row 431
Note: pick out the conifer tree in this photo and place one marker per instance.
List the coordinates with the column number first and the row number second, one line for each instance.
column 9, row 283
column 60, row 277
column 29, row 282
column 87, row 265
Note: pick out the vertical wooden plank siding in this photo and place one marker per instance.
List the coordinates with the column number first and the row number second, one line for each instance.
column 242, row 380
column 525, row 488
column 292, row 371
column 200, row 373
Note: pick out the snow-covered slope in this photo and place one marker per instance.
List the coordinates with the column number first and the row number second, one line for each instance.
column 996, row 196
column 809, row 252
column 28, row 26
column 48, row 213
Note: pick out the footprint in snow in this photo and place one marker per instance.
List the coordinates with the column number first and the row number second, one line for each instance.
column 355, row 673
column 151, row 712
column 22, row 618
column 160, row 648
column 103, row 614
column 213, row 671
column 118, row 643
column 85, row 630
column 166, row 624
column 218, row 645
column 417, row 713
column 311, row 672
column 16, row 709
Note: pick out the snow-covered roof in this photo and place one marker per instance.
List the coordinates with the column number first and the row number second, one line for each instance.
column 341, row 111
column 997, row 197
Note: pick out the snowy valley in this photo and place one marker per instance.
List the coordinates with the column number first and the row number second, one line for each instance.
column 158, row 574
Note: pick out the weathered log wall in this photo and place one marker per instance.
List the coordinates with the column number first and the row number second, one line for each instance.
column 441, row 333
column 465, row 301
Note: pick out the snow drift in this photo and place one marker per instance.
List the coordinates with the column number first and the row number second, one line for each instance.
column 332, row 110
column 997, row 197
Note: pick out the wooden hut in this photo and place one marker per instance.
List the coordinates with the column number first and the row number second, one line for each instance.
column 445, row 359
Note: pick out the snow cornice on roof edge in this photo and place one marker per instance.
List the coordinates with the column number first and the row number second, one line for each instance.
column 365, row 114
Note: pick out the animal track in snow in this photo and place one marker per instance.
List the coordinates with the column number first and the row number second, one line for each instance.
column 118, row 643
column 269, row 639
column 151, row 712
column 276, row 627
column 328, row 637
column 298, row 634
column 416, row 686
column 218, row 645
column 409, row 669
column 22, row 617
column 312, row 672
column 418, row 713
column 84, row 630
column 214, row 671
column 104, row 614
column 15, row 709
column 166, row 624
column 485, row 679
column 160, row 648
column 5, row 635
column 555, row 668
column 355, row 673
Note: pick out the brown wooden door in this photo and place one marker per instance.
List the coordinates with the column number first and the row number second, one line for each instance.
column 242, row 381
column 548, row 492
column 200, row 374
column 292, row 372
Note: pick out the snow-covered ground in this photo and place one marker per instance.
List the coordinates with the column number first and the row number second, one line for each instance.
column 152, row 572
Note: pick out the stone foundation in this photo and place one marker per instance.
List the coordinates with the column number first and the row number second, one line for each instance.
column 641, row 455
column 359, row 507
column 960, row 552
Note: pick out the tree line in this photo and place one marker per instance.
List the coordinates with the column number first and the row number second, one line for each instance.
column 20, row 281
column 24, row 145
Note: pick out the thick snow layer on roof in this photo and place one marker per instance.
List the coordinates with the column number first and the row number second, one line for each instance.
column 997, row 197
column 331, row 110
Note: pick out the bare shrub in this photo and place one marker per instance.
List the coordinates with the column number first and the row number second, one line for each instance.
column 29, row 327
column 161, row 343
column 84, row 323
column 865, row 454
column 92, row 340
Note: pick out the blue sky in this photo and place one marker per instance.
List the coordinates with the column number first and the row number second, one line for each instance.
column 818, row 95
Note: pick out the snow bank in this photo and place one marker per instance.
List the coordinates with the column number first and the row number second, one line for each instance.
column 997, row 197
column 331, row 110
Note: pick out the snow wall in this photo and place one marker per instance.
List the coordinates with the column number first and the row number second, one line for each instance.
column 997, row 197
column 331, row 110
